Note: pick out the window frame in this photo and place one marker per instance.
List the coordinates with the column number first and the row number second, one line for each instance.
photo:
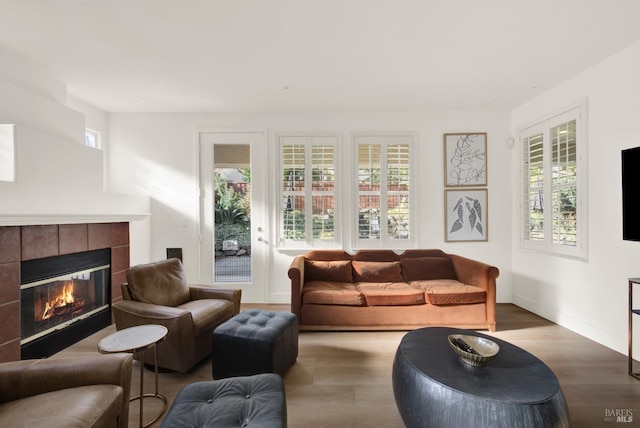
column 308, row 140
column 577, row 112
column 385, row 139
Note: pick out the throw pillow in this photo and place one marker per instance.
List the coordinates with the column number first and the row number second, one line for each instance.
column 334, row 271
column 425, row 268
column 376, row 271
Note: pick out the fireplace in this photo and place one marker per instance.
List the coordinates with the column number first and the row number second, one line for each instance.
column 63, row 299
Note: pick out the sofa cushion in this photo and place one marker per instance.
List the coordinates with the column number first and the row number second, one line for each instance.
column 390, row 294
column 331, row 293
column 376, row 271
column 161, row 283
column 450, row 292
column 335, row 271
column 425, row 268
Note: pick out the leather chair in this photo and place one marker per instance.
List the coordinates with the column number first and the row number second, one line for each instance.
column 157, row 293
column 86, row 391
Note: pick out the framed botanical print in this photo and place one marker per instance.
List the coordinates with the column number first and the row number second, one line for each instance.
column 465, row 159
column 466, row 215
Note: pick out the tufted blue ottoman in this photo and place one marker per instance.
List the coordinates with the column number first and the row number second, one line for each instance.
column 254, row 341
column 249, row 401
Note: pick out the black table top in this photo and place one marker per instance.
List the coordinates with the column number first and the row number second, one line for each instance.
column 513, row 376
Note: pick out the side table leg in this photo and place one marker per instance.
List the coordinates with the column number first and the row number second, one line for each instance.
column 155, row 356
column 156, row 394
column 142, row 387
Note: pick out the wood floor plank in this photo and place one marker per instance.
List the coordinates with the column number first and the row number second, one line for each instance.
column 343, row 379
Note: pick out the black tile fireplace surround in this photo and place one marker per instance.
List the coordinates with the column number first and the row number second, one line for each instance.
column 63, row 299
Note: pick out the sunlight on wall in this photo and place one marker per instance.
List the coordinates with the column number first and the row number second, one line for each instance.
column 7, row 153
column 166, row 185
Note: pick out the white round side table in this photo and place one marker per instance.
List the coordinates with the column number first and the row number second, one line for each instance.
column 138, row 339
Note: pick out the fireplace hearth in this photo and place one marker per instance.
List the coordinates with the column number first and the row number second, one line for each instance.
column 63, row 299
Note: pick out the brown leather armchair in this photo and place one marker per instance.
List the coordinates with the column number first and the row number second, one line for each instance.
column 157, row 293
column 87, row 391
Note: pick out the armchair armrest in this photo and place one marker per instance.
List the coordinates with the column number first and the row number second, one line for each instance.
column 296, row 274
column 207, row 292
column 130, row 313
column 26, row 378
column 148, row 310
column 179, row 322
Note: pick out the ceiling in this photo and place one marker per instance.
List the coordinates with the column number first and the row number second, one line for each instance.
column 314, row 55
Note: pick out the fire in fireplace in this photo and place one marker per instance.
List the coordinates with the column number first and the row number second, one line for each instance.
column 63, row 299
column 62, row 303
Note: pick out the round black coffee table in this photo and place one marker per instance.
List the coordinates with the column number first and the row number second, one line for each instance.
column 434, row 388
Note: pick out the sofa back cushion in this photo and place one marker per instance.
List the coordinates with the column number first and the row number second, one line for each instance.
column 376, row 256
column 161, row 283
column 376, row 271
column 333, row 271
column 327, row 255
column 417, row 252
column 426, row 268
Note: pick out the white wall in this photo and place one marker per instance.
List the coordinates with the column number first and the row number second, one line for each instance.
column 589, row 297
column 57, row 178
column 156, row 154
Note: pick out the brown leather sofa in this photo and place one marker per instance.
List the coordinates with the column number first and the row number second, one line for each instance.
column 70, row 392
column 383, row 290
column 157, row 293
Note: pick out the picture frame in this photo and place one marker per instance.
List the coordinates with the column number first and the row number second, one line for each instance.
column 465, row 159
column 466, row 215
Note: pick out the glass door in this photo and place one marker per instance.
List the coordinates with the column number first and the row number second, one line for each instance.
column 233, row 187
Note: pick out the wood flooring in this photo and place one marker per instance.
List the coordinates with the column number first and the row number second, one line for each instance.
column 343, row 379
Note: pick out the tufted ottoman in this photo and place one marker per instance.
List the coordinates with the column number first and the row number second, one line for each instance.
column 248, row 401
column 254, row 341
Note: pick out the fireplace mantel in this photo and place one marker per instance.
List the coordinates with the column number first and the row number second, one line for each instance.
column 35, row 219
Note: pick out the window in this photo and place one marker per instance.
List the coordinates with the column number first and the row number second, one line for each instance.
column 383, row 190
column 553, row 165
column 308, row 211
column 92, row 139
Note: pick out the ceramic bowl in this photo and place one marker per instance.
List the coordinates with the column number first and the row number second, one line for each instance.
column 482, row 349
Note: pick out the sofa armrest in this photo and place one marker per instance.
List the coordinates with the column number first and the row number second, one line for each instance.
column 199, row 292
column 27, row 378
column 474, row 272
column 296, row 274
